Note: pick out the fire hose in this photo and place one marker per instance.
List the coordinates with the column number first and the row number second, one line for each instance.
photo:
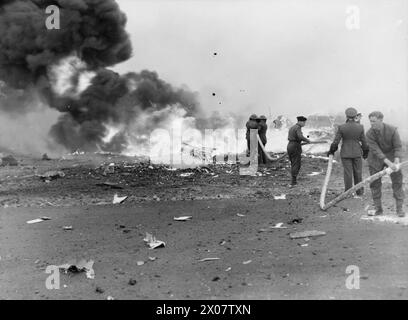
column 345, row 194
column 285, row 154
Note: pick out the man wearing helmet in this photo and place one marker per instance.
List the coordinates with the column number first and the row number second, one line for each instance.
column 353, row 148
column 252, row 123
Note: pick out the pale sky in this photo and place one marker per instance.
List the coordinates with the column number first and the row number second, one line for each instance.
column 294, row 57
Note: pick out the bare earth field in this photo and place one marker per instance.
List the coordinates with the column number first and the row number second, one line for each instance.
column 231, row 220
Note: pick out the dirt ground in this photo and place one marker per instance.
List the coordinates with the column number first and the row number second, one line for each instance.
column 232, row 216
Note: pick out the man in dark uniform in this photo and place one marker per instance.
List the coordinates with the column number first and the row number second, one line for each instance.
column 263, row 127
column 295, row 137
column 252, row 123
column 385, row 150
column 354, row 146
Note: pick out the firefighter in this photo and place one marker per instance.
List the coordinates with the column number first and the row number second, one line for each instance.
column 354, row 147
column 263, row 127
column 252, row 123
column 295, row 137
column 385, row 150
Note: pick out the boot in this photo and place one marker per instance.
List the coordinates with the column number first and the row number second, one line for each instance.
column 400, row 211
column 378, row 207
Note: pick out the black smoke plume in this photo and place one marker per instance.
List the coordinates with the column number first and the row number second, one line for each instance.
column 94, row 31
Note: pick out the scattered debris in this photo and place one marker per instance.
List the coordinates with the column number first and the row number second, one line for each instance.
column 152, row 258
column 51, row 175
column 208, row 259
column 187, row 174
column 99, row 290
column 132, row 282
column 281, row 197
column 295, row 221
column 110, row 298
column 140, row 263
column 228, row 269
column 152, row 242
column 81, row 266
column 110, row 168
column 109, row 184
column 45, row 157
column 240, row 215
column 117, row 199
column 222, row 243
column 306, row 234
column 304, row 244
column 38, row 220
column 278, row 226
column 67, row 228
column 371, row 212
column 9, row 161
column 184, row 218
column 247, row 262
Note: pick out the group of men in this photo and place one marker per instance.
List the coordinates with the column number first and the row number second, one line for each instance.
column 381, row 146
column 258, row 123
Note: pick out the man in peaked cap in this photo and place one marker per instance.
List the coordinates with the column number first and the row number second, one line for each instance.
column 295, row 137
column 252, row 123
column 353, row 148
column 263, row 127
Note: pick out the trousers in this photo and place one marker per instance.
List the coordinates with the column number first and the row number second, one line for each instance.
column 353, row 168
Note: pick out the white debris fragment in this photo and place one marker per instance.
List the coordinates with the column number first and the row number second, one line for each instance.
column 187, row 174
column 240, row 215
column 117, row 199
column 140, row 263
column 387, row 218
column 278, row 226
column 306, row 234
column 281, row 197
column 314, row 173
column 228, row 269
column 183, row 218
column 152, row 258
column 38, row 220
column 67, row 227
column 247, row 262
column 110, row 298
column 208, row 259
column 152, row 242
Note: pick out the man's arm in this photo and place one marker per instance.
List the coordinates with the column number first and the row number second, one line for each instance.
column 335, row 144
column 364, row 145
column 396, row 142
column 300, row 135
column 374, row 147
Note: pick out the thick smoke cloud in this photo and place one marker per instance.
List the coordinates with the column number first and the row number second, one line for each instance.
column 93, row 32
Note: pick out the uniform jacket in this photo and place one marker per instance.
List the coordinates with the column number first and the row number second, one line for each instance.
column 354, row 140
column 263, row 127
column 384, row 143
column 295, row 134
column 251, row 124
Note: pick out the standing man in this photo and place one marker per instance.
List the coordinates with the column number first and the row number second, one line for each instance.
column 251, row 124
column 263, row 127
column 354, row 146
column 385, row 150
column 295, row 137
